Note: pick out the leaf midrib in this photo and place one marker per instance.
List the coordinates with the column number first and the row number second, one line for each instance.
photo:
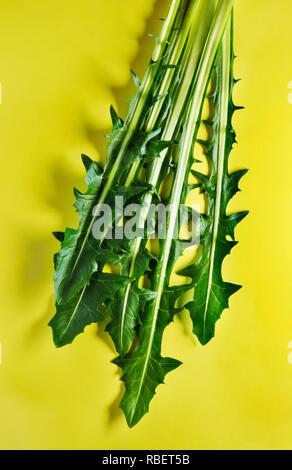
column 223, row 104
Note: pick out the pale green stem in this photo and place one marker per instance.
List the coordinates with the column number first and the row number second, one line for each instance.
column 223, row 119
column 166, row 82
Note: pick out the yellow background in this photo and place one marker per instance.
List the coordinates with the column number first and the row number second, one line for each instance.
column 63, row 62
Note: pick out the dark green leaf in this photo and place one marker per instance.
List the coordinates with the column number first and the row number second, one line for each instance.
column 73, row 316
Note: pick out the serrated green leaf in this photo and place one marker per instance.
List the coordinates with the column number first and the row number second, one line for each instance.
column 125, row 315
column 130, row 301
column 59, row 236
column 73, row 316
column 144, row 368
column 212, row 294
column 78, row 258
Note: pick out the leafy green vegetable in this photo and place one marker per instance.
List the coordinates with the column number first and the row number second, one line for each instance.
column 144, row 368
column 211, row 292
column 156, row 141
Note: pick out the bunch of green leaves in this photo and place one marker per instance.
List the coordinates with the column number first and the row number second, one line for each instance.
column 157, row 138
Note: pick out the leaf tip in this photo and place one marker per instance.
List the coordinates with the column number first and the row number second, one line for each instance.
column 59, row 236
column 86, row 161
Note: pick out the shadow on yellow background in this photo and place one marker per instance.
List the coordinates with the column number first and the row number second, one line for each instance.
column 62, row 64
